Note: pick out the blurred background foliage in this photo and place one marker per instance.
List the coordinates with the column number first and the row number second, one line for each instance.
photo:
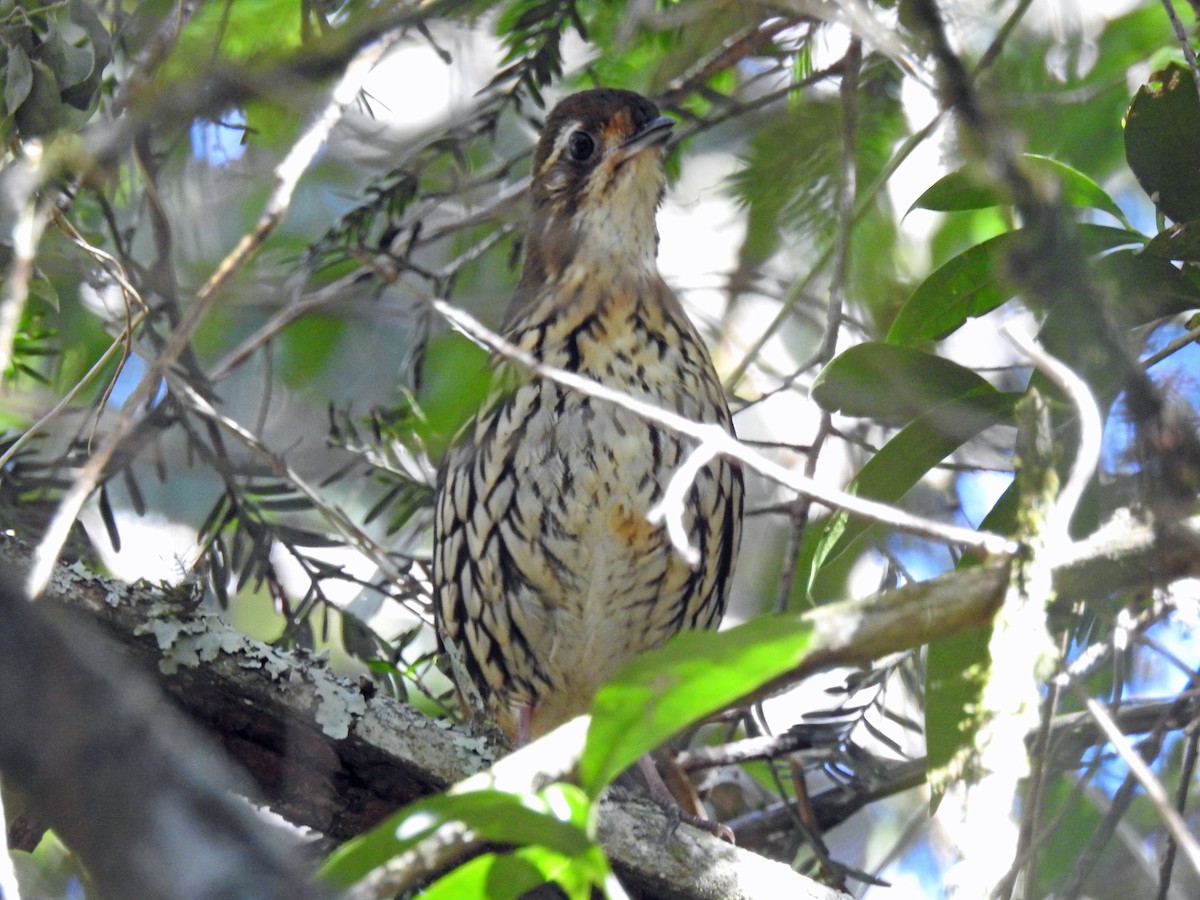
column 142, row 140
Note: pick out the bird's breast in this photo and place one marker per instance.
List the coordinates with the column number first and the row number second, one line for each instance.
column 594, row 470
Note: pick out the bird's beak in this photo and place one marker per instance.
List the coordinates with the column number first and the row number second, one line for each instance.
column 654, row 133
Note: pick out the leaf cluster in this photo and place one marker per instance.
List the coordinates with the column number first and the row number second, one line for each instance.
column 53, row 57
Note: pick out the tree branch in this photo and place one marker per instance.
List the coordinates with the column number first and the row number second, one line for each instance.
column 324, row 755
column 99, row 755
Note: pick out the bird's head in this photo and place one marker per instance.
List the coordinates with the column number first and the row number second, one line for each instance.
column 597, row 181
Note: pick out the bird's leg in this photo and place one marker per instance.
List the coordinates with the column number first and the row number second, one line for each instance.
column 666, row 801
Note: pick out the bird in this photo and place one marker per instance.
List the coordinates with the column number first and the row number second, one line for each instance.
column 547, row 573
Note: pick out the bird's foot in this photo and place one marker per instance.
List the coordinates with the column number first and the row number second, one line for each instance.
column 665, row 800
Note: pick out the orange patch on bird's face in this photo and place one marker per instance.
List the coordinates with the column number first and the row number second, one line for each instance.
column 617, row 128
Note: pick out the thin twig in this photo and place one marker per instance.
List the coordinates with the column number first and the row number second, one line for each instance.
column 337, row 519
column 65, row 401
column 1185, row 42
column 1091, row 431
column 1155, row 792
column 672, row 508
column 846, row 188
column 1186, row 770
column 1187, row 338
column 723, row 443
column 287, row 175
column 124, row 339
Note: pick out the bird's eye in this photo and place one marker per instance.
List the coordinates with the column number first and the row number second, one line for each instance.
column 581, row 146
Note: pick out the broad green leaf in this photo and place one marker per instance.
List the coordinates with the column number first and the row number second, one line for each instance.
column 973, row 283
column 956, row 670
column 909, row 455
column 955, row 675
column 1058, row 856
column 1145, row 287
column 1160, row 141
column 493, row 815
column 495, row 876
column 72, row 65
column 964, row 189
column 42, row 111
column 889, row 383
column 43, row 289
column 692, row 675
column 18, row 79
column 969, row 285
column 1180, row 241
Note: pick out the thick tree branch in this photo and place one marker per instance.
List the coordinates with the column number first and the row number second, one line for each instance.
column 97, row 754
column 325, row 755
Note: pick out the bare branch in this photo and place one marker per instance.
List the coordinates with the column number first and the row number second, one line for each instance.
column 124, row 762
column 719, row 441
column 1091, row 431
column 1155, row 792
column 325, row 755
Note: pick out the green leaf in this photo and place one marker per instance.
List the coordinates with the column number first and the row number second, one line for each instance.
column 73, row 65
column 1180, row 241
column 1160, row 141
column 694, row 674
column 1077, row 188
column 551, row 819
column 499, row 876
column 42, row 111
column 18, row 79
column 956, row 671
column 496, row 876
column 42, row 289
column 889, row 383
column 973, row 283
column 955, row 675
column 908, row 456
column 1145, row 287
column 966, row 189
column 85, row 17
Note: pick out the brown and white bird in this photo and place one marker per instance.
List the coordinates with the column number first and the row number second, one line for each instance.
column 547, row 574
